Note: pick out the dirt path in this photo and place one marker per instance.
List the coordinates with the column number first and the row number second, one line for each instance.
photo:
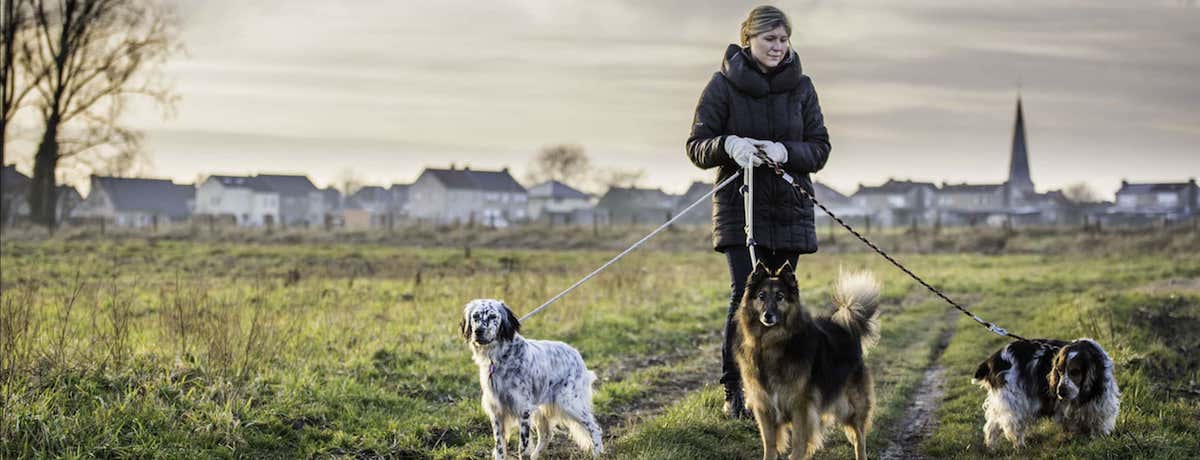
column 920, row 419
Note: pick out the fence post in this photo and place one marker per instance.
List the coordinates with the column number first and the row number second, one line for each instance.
column 868, row 226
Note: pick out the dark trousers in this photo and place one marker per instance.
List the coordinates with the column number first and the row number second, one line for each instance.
column 739, row 271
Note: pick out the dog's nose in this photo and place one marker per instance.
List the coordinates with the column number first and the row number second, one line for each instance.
column 769, row 319
column 1062, row 393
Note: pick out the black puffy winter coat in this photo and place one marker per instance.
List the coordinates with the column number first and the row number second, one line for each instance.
column 779, row 106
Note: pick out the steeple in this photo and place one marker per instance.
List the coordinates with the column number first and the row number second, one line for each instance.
column 1018, row 168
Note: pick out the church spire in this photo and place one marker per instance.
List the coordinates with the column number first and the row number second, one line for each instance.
column 1018, row 169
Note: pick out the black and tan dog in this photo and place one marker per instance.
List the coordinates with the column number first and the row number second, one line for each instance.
column 803, row 373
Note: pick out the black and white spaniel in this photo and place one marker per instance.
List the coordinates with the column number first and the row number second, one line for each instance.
column 529, row 382
column 1071, row 382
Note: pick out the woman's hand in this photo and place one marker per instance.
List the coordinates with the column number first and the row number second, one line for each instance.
column 742, row 150
column 776, row 151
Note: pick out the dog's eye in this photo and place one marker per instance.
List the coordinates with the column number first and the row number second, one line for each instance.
column 779, row 296
column 762, row 295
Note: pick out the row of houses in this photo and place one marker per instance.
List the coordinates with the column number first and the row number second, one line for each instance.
column 495, row 198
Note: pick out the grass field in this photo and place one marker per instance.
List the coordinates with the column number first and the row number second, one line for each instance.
column 137, row 347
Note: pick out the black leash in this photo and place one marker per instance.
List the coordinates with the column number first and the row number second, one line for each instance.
column 788, row 177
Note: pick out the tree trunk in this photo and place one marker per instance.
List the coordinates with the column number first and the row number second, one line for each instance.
column 45, row 164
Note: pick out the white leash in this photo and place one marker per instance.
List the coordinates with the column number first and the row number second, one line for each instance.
column 631, row 248
column 748, row 201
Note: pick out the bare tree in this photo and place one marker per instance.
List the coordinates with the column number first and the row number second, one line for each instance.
column 565, row 163
column 16, row 25
column 95, row 54
column 1080, row 192
column 348, row 182
column 619, row 178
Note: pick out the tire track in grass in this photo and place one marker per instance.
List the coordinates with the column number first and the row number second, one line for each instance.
column 919, row 419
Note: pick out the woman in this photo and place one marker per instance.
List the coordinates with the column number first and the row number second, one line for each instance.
column 759, row 100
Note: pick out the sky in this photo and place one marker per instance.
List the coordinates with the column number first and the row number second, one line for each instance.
column 922, row 90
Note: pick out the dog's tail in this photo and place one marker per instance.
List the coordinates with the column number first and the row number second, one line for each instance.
column 583, row 437
column 857, row 297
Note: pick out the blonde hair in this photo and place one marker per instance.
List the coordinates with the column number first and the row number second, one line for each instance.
column 763, row 19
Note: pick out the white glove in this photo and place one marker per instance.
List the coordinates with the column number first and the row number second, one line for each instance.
column 742, row 151
column 774, row 150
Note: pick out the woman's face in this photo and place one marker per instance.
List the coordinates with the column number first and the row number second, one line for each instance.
column 770, row 47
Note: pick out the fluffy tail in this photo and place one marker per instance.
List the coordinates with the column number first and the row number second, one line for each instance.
column 856, row 295
column 581, row 423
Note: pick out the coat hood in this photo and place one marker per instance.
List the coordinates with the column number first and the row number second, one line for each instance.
column 738, row 66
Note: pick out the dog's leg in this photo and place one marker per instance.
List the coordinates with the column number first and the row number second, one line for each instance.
column 593, row 427
column 858, row 438
column 524, row 434
column 768, row 429
column 1014, row 430
column 499, row 435
column 991, row 433
column 856, row 421
column 541, row 424
column 806, row 433
column 783, row 438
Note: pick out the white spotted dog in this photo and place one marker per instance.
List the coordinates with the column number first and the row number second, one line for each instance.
column 1071, row 382
column 529, row 382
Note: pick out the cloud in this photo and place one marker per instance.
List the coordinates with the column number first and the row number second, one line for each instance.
column 911, row 89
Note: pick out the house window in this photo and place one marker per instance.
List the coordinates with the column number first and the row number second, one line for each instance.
column 896, row 201
column 1168, row 199
column 491, row 196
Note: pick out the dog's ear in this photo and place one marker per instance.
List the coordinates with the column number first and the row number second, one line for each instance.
column 983, row 370
column 1093, row 359
column 788, row 276
column 785, row 270
column 464, row 328
column 509, row 324
column 760, row 273
column 1056, row 368
column 988, row 371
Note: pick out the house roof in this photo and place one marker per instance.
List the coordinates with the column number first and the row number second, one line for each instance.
column 636, row 198
column 67, row 192
column 556, row 189
column 491, row 181
column 1172, row 187
column 827, row 194
column 252, row 183
column 149, row 195
column 289, row 185
column 371, row 193
column 971, row 188
column 12, row 180
column 894, row 186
